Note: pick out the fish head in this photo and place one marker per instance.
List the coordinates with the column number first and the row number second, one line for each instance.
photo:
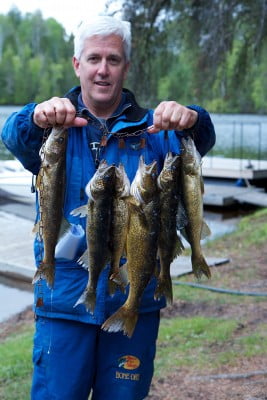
column 191, row 159
column 170, row 172
column 122, row 185
column 55, row 146
column 144, row 185
column 189, row 148
column 103, row 181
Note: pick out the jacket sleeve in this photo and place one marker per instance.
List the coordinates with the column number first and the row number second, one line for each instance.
column 23, row 138
column 202, row 132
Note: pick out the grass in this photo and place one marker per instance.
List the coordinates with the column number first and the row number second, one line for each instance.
column 254, row 228
column 15, row 365
column 251, row 231
column 198, row 342
column 186, row 342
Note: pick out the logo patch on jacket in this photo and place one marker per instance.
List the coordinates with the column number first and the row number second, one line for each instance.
column 129, row 362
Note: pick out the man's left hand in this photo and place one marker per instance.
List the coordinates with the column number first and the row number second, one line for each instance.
column 170, row 115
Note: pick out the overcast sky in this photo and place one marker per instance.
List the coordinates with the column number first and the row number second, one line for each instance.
column 68, row 13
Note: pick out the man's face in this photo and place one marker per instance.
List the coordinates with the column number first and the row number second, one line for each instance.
column 102, row 69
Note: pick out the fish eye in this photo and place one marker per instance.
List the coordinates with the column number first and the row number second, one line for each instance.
column 60, row 140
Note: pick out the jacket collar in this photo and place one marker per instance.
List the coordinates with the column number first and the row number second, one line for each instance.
column 134, row 113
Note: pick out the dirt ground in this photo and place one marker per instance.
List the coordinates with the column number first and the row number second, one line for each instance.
column 247, row 380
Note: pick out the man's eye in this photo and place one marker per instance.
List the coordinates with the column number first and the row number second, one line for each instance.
column 114, row 61
column 92, row 59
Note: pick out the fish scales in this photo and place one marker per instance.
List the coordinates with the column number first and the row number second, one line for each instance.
column 192, row 190
column 100, row 190
column 141, row 246
column 170, row 244
column 119, row 222
column 51, row 186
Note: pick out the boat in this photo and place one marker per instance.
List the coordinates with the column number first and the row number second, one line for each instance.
column 15, row 180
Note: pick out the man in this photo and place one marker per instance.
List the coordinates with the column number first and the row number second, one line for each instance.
column 72, row 355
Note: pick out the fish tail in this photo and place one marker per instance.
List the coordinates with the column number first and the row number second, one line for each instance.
column 164, row 288
column 88, row 298
column 122, row 320
column 200, row 266
column 47, row 272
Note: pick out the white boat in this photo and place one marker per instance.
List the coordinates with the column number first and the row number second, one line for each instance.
column 15, row 180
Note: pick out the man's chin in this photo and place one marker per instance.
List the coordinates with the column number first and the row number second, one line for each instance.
column 103, row 96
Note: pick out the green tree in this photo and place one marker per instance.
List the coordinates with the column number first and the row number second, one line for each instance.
column 35, row 58
column 147, row 38
column 208, row 50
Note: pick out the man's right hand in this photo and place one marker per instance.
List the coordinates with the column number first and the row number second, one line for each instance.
column 57, row 111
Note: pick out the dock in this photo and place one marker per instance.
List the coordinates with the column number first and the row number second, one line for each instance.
column 224, row 195
column 233, row 168
column 182, row 265
column 16, row 261
column 221, row 175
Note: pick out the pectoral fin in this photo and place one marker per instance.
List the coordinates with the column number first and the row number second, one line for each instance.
column 80, row 211
column 205, row 232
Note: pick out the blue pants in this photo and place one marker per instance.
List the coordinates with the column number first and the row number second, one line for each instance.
column 72, row 358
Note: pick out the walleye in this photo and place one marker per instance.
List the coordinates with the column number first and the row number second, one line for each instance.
column 141, row 246
column 170, row 244
column 119, row 226
column 50, row 185
column 192, row 190
column 100, row 191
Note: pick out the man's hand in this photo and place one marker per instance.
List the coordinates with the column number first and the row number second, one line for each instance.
column 170, row 115
column 57, row 111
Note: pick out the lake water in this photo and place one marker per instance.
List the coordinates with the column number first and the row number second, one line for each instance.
column 241, row 133
column 233, row 131
column 13, row 299
column 5, row 111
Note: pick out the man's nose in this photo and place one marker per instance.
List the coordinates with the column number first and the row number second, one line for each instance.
column 103, row 67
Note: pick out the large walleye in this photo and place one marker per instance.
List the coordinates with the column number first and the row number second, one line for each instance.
column 192, row 190
column 170, row 244
column 100, row 191
column 50, row 185
column 141, row 246
column 119, row 227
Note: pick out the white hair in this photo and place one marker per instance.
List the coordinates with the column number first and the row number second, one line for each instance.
column 103, row 26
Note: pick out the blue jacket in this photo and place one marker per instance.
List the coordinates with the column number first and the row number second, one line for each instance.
column 23, row 138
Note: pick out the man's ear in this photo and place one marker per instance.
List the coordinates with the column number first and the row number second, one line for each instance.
column 76, row 66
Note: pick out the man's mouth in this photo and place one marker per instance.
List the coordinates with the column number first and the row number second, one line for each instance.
column 101, row 83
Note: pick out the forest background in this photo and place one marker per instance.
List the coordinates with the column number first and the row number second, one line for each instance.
column 208, row 52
